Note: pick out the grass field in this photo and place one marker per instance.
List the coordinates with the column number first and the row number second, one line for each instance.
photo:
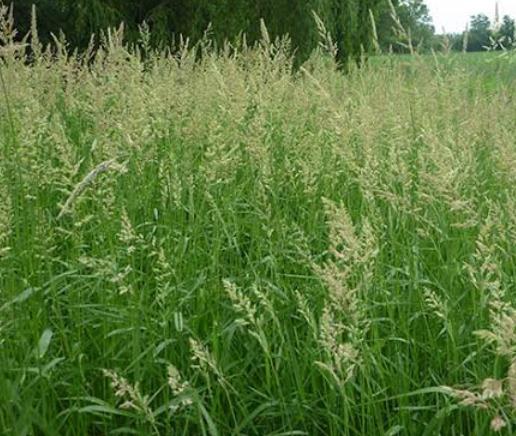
column 224, row 247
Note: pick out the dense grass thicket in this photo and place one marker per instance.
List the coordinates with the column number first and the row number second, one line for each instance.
column 219, row 245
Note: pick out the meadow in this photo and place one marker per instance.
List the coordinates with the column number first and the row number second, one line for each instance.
column 212, row 243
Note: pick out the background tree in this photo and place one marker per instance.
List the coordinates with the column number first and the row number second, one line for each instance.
column 412, row 15
column 507, row 30
column 416, row 15
column 347, row 20
column 479, row 33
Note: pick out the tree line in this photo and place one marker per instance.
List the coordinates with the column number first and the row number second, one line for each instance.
column 482, row 34
column 414, row 16
column 348, row 21
column 355, row 25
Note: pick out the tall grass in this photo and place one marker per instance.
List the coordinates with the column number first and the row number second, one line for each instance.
column 220, row 245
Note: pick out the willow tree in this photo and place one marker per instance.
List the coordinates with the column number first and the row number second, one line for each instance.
column 347, row 20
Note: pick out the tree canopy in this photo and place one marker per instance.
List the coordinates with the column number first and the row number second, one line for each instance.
column 399, row 23
column 412, row 17
column 507, row 31
column 348, row 21
column 479, row 33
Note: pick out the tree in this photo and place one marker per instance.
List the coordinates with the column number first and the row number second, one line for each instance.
column 419, row 22
column 479, row 33
column 413, row 16
column 507, row 30
column 348, row 21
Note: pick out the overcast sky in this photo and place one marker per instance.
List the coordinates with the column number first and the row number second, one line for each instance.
column 453, row 15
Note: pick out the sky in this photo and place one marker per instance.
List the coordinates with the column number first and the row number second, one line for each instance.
column 453, row 15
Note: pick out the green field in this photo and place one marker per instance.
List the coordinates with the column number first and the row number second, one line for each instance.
column 216, row 245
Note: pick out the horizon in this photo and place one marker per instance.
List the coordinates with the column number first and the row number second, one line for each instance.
column 454, row 16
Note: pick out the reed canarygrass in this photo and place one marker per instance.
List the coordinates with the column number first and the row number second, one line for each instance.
column 208, row 241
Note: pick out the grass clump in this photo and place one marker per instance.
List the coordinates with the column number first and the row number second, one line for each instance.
column 225, row 246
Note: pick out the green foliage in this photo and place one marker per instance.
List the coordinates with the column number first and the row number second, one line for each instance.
column 507, row 31
column 412, row 18
column 347, row 20
column 479, row 35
